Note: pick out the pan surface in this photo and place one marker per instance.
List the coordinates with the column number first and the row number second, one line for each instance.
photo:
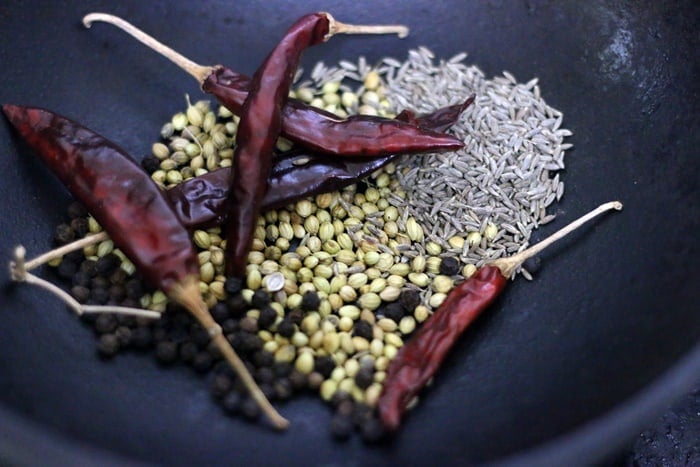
column 561, row 370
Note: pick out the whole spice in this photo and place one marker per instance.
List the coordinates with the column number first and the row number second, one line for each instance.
column 133, row 211
column 314, row 128
column 200, row 200
column 418, row 361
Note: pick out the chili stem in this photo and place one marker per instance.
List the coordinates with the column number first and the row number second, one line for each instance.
column 188, row 294
column 65, row 249
column 199, row 72
column 19, row 273
column 336, row 27
column 510, row 264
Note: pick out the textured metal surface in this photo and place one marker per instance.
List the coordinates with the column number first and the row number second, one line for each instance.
column 572, row 365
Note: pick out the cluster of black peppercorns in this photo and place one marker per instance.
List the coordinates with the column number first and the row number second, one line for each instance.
column 176, row 338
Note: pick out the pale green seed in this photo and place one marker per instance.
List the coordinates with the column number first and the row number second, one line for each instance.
column 160, row 150
column 304, row 363
column 442, row 284
column 468, row 270
column 371, row 301
column 372, row 80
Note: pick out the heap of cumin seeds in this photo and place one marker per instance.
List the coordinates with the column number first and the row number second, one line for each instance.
column 507, row 173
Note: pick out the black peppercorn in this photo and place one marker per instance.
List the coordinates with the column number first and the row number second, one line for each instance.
column 260, row 299
column 228, row 326
column 67, row 268
column 220, row 385
column 286, row 328
column 449, row 266
column 166, row 352
column 232, row 402
column 237, row 305
column 409, row 299
column 283, row 388
column 263, row 358
column 394, row 311
column 80, row 293
column 199, row 335
column 362, row 328
column 310, row 301
column 89, row 267
column 118, row 276
column 150, row 163
column 123, row 333
column 117, row 293
column 99, row 296
column 187, row 350
column 105, row 323
column 264, row 374
column 202, row 361
column 220, row 312
column 248, row 324
column 533, row 264
column 108, row 345
column 233, row 285
column 364, row 377
column 80, row 226
column 134, row 289
column 81, row 278
column 298, row 379
column 76, row 209
column 141, row 337
column 267, row 317
column 324, row 365
column 282, row 368
column 107, row 264
column 250, row 408
column 64, row 234
column 295, row 316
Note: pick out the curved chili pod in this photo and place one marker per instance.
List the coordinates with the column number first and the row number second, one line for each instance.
column 258, row 130
column 121, row 197
column 419, row 359
column 309, row 126
column 359, row 135
column 134, row 212
column 199, row 201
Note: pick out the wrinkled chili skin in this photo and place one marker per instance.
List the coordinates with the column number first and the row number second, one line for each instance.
column 360, row 135
column 419, row 359
column 199, row 201
column 117, row 192
column 258, row 129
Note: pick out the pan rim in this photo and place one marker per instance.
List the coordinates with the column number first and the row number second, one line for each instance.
column 25, row 442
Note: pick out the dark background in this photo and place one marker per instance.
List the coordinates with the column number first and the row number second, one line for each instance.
column 568, row 369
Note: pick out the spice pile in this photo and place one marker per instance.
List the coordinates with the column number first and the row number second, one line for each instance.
column 334, row 284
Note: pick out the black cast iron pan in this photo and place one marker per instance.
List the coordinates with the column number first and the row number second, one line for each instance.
column 562, row 370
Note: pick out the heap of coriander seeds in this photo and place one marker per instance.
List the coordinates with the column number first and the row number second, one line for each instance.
column 335, row 283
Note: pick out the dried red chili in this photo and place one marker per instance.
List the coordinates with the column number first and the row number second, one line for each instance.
column 259, row 127
column 199, row 201
column 419, row 359
column 311, row 127
column 133, row 211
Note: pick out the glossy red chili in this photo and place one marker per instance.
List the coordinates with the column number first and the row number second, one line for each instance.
column 309, row 126
column 199, row 201
column 121, row 197
column 134, row 212
column 419, row 359
column 258, row 130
